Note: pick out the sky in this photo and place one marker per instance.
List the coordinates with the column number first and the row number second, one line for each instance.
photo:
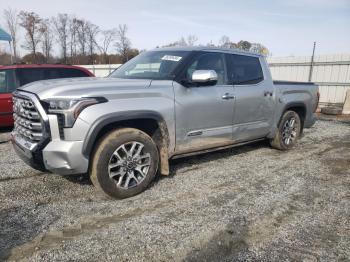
column 284, row 27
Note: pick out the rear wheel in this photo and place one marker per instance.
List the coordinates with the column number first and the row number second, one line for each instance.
column 124, row 163
column 288, row 131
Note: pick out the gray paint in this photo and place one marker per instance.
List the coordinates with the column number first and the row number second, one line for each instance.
column 197, row 118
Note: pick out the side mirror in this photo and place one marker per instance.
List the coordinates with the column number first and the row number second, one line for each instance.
column 204, row 77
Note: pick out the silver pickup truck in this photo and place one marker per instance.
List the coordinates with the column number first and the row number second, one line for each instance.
column 163, row 104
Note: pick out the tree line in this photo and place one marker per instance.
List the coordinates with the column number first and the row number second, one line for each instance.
column 224, row 42
column 80, row 41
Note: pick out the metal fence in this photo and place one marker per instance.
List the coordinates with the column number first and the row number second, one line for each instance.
column 330, row 72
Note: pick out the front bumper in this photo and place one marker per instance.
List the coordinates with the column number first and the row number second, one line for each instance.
column 33, row 159
column 65, row 157
column 60, row 157
column 50, row 153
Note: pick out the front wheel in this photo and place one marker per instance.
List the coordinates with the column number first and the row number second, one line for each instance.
column 124, row 163
column 288, row 131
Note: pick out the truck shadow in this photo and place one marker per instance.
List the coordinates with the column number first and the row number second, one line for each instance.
column 82, row 179
column 186, row 164
column 5, row 134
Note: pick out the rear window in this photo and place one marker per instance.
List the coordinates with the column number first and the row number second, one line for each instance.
column 7, row 81
column 244, row 70
column 28, row 75
column 67, row 73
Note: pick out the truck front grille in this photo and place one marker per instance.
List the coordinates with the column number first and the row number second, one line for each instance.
column 27, row 120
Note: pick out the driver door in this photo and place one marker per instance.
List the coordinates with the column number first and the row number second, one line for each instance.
column 204, row 114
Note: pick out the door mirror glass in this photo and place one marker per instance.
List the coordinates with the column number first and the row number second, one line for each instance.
column 204, row 76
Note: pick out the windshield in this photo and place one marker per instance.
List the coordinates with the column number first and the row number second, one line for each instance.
column 151, row 65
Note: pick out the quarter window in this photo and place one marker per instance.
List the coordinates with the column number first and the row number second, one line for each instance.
column 244, row 70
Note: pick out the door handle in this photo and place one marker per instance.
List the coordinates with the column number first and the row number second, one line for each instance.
column 227, row 96
column 268, row 93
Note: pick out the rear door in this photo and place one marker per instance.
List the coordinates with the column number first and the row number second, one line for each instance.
column 254, row 97
column 7, row 86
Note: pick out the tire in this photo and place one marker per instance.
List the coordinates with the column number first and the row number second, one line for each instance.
column 331, row 110
column 124, row 163
column 286, row 136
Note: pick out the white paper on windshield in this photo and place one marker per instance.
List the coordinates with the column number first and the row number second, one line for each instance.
column 172, row 58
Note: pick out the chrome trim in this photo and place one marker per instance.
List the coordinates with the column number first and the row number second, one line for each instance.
column 31, row 128
column 36, row 102
column 203, row 76
column 55, row 131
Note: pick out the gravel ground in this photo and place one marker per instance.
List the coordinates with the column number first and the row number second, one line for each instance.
column 250, row 203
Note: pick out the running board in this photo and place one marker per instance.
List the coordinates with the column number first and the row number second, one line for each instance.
column 215, row 149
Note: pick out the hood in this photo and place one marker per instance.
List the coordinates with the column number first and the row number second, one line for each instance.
column 83, row 87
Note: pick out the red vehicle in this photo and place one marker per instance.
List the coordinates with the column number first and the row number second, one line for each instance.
column 14, row 76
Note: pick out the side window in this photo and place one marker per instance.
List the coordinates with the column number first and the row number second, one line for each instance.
column 28, row 75
column 3, row 86
column 52, row 73
column 70, row 72
column 209, row 61
column 244, row 70
column 7, row 81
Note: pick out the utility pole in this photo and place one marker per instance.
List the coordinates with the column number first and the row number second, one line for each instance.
column 312, row 62
column 11, row 53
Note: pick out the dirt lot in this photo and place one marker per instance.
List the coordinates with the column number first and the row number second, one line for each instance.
column 249, row 203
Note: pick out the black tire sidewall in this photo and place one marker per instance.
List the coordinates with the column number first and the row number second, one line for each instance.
column 116, row 139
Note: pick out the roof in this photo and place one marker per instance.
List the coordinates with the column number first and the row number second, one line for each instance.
column 45, row 66
column 4, row 36
column 206, row 48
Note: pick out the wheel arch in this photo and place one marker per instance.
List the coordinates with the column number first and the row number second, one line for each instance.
column 149, row 122
column 299, row 108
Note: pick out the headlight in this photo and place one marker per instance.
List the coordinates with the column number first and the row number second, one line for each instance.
column 70, row 109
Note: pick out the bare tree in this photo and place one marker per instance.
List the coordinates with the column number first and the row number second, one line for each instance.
column 191, row 40
column 225, row 42
column 61, row 24
column 108, row 36
column 211, row 44
column 259, row 48
column 12, row 23
column 73, row 35
column 31, row 22
column 82, row 35
column 92, row 31
column 47, row 39
column 123, row 44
